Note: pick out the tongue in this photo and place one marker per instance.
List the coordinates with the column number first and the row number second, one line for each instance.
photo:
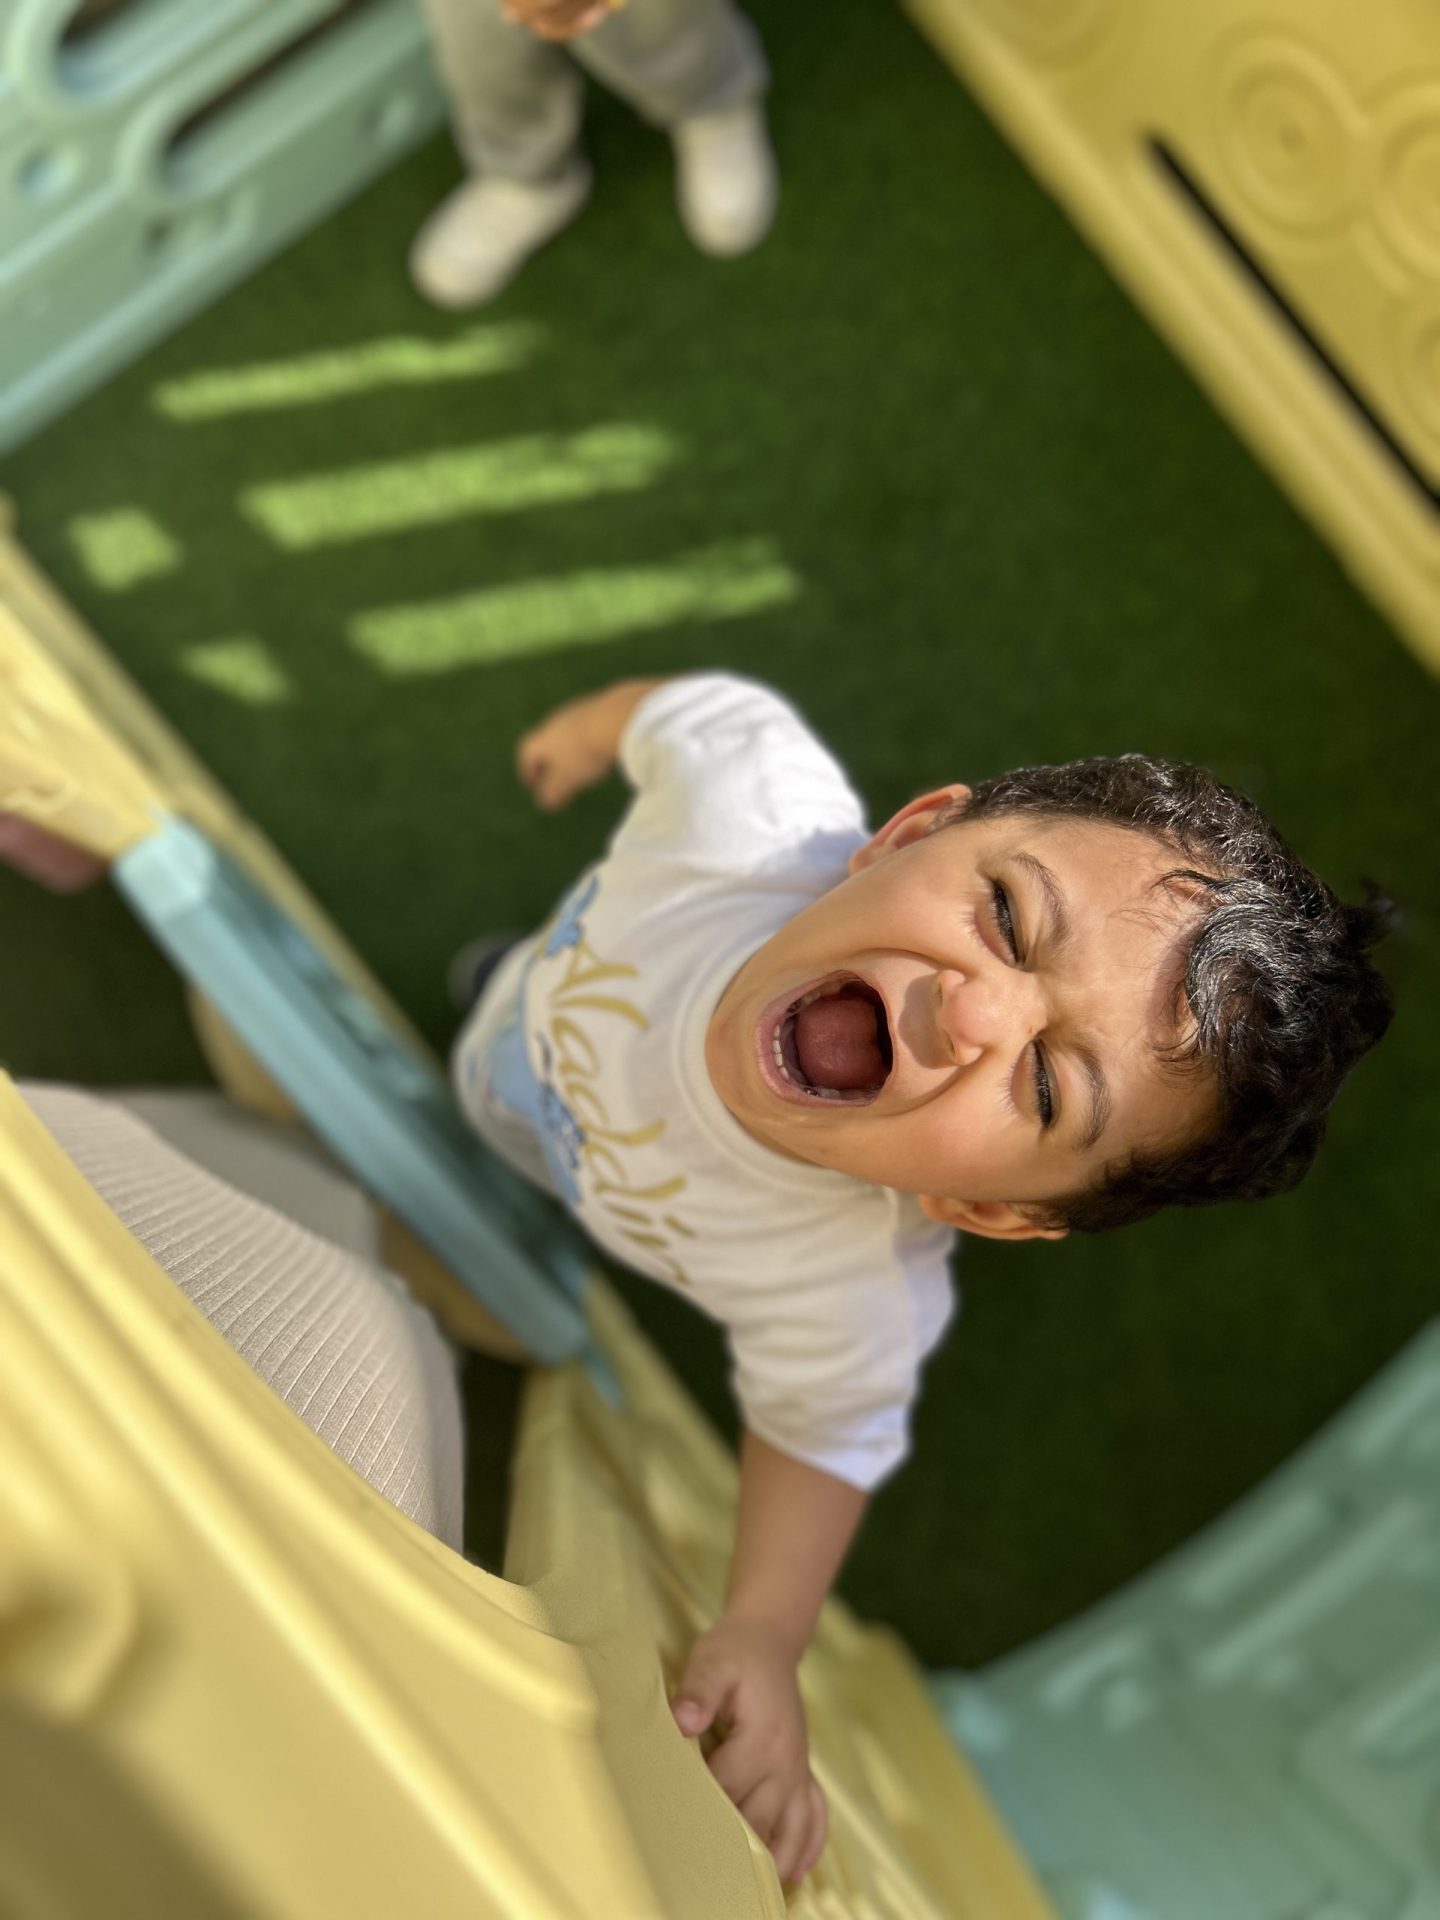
column 835, row 1043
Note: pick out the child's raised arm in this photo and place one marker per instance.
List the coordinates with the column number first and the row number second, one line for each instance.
column 795, row 1525
column 576, row 745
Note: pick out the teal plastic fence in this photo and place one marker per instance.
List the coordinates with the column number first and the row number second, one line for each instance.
column 153, row 152
column 1252, row 1731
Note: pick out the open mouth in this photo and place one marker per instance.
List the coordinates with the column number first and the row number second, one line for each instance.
column 832, row 1042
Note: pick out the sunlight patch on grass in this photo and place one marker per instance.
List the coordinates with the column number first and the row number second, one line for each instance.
column 242, row 667
column 578, row 609
column 329, row 509
column 314, row 378
column 119, row 550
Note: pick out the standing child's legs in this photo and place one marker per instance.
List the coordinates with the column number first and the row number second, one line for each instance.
column 515, row 105
column 692, row 67
column 696, row 69
column 515, row 100
column 674, row 59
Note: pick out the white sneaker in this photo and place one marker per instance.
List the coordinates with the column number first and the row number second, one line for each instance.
column 480, row 235
column 726, row 180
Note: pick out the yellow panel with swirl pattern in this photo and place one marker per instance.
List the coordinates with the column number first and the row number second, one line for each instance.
column 1263, row 176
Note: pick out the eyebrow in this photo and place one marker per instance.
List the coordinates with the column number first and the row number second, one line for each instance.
column 1057, row 917
column 1099, row 1097
column 1058, row 933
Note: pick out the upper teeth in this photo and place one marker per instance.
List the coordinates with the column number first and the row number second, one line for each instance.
column 778, row 1052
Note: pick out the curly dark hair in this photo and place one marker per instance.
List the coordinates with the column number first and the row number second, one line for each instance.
column 1282, row 997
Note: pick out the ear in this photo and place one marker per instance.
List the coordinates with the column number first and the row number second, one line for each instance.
column 988, row 1219
column 911, row 823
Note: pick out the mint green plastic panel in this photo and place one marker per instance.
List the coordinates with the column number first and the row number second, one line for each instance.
column 384, row 1109
column 1252, row 1731
column 153, row 152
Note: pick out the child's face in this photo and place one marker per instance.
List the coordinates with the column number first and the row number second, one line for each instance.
column 988, row 1001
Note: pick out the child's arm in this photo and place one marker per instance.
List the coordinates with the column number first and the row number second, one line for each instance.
column 795, row 1524
column 578, row 743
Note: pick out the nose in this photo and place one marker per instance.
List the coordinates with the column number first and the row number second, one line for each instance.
column 980, row 1011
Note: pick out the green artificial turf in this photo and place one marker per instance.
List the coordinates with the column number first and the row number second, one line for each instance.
column 951, row 493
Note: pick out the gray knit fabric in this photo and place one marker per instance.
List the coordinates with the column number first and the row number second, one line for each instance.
column 273, row 1161
column 335, row 1335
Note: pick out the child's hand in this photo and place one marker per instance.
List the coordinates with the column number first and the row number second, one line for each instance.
column 741, row 1679
column 557, row 19
column 55, row 863
column 561, row 757
column 576, row 745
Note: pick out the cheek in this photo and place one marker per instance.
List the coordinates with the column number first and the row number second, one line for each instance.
column 974, row 1125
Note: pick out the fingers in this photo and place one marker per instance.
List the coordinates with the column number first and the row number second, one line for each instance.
column 703, row 1694
column 529, row 763
column 759, row 1761
column 549, row 786
column 817, row 1830
column 540, row 770
column 734, row 1766
column 763, row 1808
column 691, row 1717
column 55, row 863
column 792, row 1823
column 557, row 760
column 557, row 19
column 790, row 1835
column 591, row 17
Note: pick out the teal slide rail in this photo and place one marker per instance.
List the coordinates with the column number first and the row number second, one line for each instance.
column 382, row 1107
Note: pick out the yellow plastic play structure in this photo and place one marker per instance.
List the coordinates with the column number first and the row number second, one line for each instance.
column 1264, row 180
column 235, row 1681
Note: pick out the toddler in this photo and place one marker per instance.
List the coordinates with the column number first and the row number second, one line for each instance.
column 693, row 67
column 775, row 1061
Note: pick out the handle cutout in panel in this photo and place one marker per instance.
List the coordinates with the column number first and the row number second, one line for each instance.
column 1360, row 408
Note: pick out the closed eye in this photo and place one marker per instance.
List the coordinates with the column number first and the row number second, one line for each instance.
column 1005, row 919
column 1039, row 1071
column 1044, row 1097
